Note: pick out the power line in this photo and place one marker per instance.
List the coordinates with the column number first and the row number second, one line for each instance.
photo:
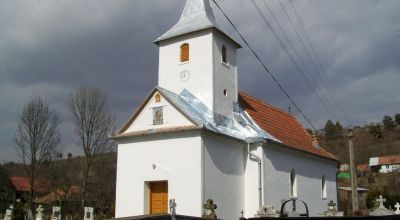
column 319, row 61
column 328, row 91
column 265, row 67
column 309, row 81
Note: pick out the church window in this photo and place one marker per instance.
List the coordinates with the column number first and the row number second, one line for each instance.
column 157, row 115
column 323, row 187
column 158, row 98
column 224, row 54
column 293, row 184
column 184, row 52
column 225, row 93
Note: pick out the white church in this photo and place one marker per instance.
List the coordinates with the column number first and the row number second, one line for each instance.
column 196, row 137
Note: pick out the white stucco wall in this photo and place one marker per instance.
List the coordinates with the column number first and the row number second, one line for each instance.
column 224, row 165
column 171, row 117
column 178, row 160
column 278, row 163
column 200, row 66
column 389, row 168
column 251, row 181
column 225, row 77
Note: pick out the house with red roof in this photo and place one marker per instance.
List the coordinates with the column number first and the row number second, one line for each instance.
column 385, row 164
column 22, row 187
column 195, row 137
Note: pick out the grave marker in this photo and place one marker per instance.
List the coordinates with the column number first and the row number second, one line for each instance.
column 397, row 206
column 88, row 213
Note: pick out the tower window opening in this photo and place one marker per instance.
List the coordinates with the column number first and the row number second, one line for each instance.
column 293, row 184
column 184, row 52
column 323, row 187
column 225, row 93
column 224, row 54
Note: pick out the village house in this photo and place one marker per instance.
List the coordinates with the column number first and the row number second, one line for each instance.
column 196, row 137
column 385, row 164
column 22, row 187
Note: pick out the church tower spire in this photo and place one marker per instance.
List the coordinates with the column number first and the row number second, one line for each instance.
column 197, row 15
column 198, row 55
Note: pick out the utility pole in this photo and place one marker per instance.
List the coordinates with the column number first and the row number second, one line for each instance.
column 354, row 195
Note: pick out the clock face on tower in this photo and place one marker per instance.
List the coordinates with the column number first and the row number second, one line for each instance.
column 184, row 75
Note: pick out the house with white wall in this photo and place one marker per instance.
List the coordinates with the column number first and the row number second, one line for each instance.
column 385, row 164
column 196, row 137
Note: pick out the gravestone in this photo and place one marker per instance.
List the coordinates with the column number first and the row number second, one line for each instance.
column 56, row 213
column 9, row 213
column 39, row 214
column 397, row 206
column 267, row 211
column 332, row 211
column 88, row 213
column 209, row 208
column 381, row 210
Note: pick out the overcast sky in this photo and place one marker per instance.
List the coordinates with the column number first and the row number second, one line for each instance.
column 48, row 48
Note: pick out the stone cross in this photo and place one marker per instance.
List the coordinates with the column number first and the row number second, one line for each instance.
column 397, row 209
column 39, row 214
column 381, row 200
column 332, row 206
column 209, row 208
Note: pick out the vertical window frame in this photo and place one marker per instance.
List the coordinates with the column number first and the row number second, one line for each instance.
column 293, row 184
column 324, row 193
column 224, row 55
column 184, row 53
column 158, row 115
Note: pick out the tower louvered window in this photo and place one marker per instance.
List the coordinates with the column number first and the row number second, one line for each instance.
column 184, row 52
column 224, row 55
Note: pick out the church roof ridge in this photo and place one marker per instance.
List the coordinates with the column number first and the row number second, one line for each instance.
column 196, row 16
column 281, row 125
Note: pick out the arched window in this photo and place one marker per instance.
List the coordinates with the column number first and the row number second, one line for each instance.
column 184, row 52
column 323, row 187
column 224, row 54
column 293, row 184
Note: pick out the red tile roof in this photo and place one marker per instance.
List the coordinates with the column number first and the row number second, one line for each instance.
column 362, row 167
column 60, row 194
column 21, row 184
column 388, row 160
column 281, row 125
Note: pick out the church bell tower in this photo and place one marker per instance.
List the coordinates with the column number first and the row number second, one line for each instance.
column 198, row 55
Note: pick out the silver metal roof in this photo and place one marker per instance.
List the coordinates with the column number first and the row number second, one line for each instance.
column 241, row 126
column 197, row 15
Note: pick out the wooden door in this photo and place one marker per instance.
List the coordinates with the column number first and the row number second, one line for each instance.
column 158, row 197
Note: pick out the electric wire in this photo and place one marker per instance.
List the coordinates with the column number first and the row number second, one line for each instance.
column 320, row 63
column 329, row 92
column 266, row 68
column 309, row 81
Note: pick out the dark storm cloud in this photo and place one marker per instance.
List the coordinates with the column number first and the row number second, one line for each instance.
column 48, row 48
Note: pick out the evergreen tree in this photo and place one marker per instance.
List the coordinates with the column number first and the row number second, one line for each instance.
column 333, row 131
column 397, row 119
column 388, row 122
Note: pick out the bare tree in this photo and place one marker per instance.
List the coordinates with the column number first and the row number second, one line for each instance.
column 93, row 123
column 37, row 139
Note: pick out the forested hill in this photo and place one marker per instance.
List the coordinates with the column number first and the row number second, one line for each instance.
column 369, row 141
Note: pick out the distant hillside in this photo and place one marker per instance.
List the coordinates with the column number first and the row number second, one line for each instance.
column 365, row 144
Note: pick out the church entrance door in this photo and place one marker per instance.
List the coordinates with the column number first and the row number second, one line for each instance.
column 159, row 197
